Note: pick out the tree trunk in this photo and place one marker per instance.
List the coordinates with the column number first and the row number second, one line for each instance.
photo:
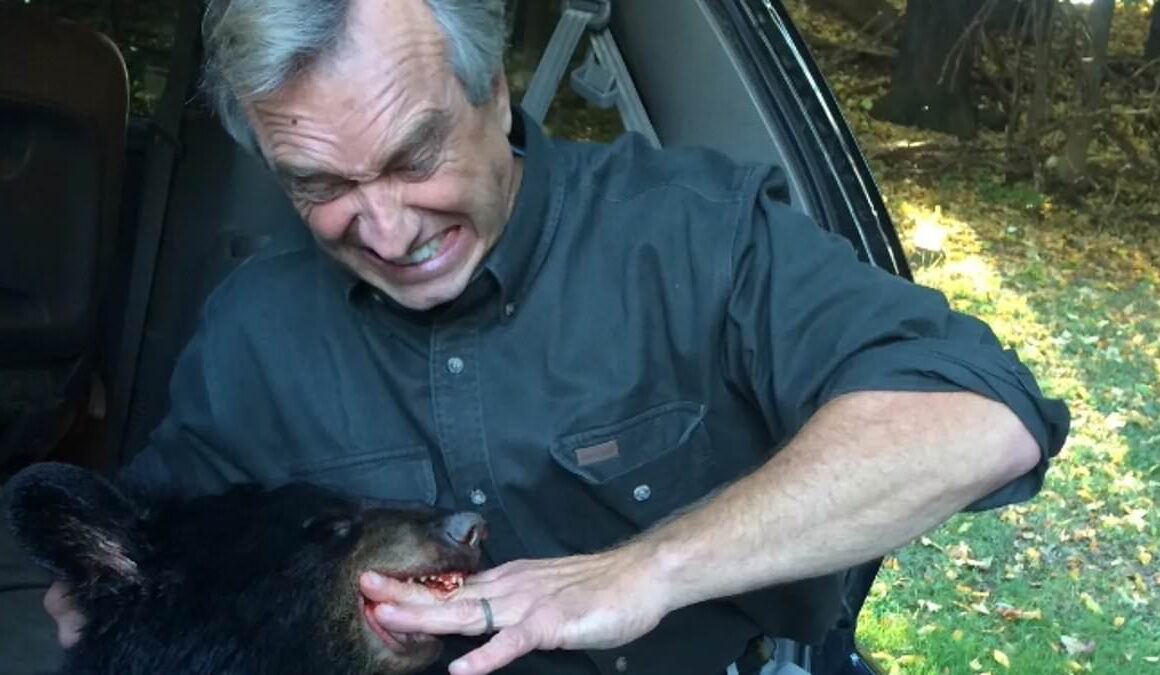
column 1043, row 11
column 1074, row 163
column 931, row 84
column 1152, row 47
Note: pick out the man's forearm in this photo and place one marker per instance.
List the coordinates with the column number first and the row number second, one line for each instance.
column 871, row 472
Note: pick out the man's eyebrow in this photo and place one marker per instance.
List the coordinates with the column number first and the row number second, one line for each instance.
column 293, row 172
column 431, row 128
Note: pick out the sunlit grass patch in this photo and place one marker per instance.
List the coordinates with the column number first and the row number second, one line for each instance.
column 1066, row 582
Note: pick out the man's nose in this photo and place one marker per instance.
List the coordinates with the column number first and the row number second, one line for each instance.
column 464, row 529
column 385, row 225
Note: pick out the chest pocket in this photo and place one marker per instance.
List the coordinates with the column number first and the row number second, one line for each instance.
column 638, row 470
column 397, row 474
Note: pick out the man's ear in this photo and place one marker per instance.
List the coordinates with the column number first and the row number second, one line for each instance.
column 75, row 523
column 501, row 100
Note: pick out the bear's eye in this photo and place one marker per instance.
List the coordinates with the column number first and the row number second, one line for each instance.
column 327, row 527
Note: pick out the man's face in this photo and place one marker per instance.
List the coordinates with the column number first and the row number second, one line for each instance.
column 397, row 175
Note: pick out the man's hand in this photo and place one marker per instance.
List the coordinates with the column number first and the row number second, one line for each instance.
column 595, row 601
column 69, row 621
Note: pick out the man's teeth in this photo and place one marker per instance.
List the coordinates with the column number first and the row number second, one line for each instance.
column 424, row 252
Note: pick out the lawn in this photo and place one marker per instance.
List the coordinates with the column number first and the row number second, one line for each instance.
column 1066, row 582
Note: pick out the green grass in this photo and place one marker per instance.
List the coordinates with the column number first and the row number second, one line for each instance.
column 1078, row 562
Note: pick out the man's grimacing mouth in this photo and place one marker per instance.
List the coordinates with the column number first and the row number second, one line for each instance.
column 425, row 252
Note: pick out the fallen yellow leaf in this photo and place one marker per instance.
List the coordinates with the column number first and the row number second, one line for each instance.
column 975, row 665
column 1118, row 622
column 927, row 629
column 957, row 635
column 1091, row 604
column 1013, row 614
column 1001, row 658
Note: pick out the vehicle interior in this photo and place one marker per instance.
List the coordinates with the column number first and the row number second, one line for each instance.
column 118, row 220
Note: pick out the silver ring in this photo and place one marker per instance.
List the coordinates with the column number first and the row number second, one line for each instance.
column 488, row 619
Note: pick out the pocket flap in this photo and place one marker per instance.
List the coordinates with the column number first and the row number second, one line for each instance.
column 605, row 453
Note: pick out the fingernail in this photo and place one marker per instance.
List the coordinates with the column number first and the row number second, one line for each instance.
column 372, row 579
column 457, row 667
column 384, row 611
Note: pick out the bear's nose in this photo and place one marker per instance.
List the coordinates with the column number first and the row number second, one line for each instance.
column 465, row 529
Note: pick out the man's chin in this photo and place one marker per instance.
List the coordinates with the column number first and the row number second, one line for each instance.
column 416, row 297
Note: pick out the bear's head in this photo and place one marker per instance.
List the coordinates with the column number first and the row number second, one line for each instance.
column 252, row 580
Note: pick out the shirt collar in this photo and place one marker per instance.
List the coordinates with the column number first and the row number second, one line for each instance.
column 515, row 255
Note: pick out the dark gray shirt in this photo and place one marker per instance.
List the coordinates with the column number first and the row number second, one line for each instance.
column 651, row 325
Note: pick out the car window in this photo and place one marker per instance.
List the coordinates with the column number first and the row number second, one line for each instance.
column 570, row 115
column 143, row 31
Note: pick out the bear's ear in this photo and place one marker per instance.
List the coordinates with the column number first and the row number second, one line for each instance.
column 77, row 524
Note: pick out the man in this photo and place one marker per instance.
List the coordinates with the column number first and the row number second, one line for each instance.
column 681, row 407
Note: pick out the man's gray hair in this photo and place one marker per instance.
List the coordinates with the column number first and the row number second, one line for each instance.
column 254, row 47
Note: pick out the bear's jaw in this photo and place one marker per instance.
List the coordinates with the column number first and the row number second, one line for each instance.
column 399, row 652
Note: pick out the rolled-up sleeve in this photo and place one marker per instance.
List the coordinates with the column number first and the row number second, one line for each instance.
column 808, row 321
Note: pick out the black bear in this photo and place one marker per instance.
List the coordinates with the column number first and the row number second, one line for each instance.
column 248, row 582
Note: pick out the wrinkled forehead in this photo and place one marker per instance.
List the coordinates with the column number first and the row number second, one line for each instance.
column 367, row 92
column 389, row 47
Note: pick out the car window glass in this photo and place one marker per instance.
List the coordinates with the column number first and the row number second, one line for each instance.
column 570, row 116
column 143, row 31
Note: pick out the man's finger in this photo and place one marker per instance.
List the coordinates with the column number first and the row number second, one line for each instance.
column 492, row 574
column 379, row 588
column 69, row 622
column 462, row 617
column 508, row 645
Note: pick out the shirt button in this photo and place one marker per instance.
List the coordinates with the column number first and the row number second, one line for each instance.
column 641, row 492
column 621, row 664
column 509, row 309
column 455, row 365
column 478, row 497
